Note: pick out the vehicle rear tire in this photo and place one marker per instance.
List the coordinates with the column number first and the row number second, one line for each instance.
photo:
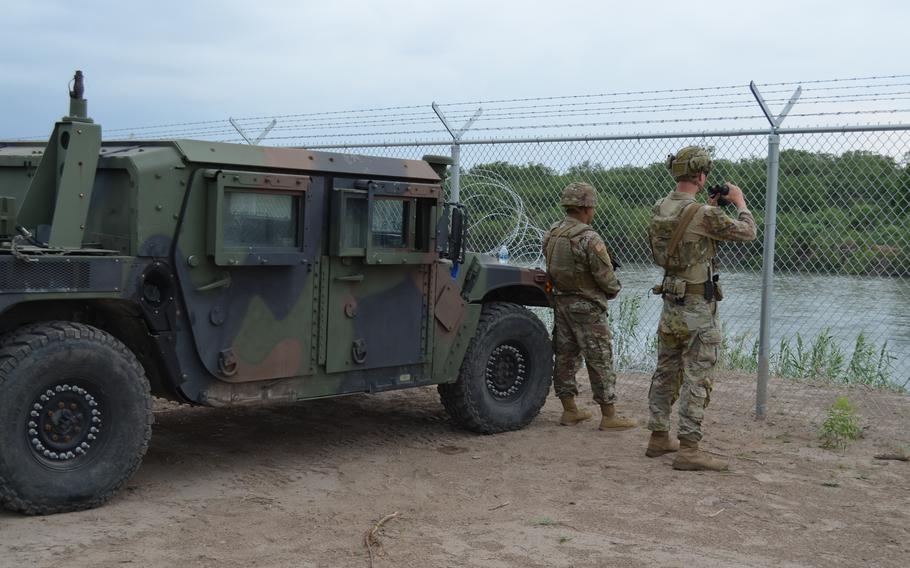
column 75, row 417
column 506, row 373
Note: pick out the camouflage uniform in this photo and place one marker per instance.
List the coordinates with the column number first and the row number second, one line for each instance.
column 583, row 280
column 689, row 332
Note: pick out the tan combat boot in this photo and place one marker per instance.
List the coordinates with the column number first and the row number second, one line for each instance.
column 612, row 421
column 572, row 414
column 690, row 458
column 660, row 444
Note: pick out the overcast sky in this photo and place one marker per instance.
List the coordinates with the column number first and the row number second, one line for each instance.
column 166, row 61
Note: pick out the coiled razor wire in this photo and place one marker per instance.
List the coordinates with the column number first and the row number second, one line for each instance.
column 501, row 218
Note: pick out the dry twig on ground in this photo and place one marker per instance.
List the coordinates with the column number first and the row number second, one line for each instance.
column 894, row 457
column 371, row 537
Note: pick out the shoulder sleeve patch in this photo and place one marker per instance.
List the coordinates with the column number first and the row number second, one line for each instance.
column 600, row 250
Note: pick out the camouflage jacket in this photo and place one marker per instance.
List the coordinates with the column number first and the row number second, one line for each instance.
column 578, row 262
column 695, row 253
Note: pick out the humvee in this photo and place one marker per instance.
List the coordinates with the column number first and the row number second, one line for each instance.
column 220, row 274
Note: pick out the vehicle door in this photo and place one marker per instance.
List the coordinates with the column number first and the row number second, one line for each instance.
column 379, row 278
column 248, row 275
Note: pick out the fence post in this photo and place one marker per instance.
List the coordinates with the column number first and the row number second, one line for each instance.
column 456, row 172
column 456, row 148
column 258, row 139
column 770, row 235
column 767, row 280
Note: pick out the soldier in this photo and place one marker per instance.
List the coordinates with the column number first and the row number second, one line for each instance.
column 581, row 272
column 684, row 235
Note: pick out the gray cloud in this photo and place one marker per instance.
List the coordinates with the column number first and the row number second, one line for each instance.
column 172, row 61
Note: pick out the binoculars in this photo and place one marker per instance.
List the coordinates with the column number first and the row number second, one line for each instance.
column 719, row 190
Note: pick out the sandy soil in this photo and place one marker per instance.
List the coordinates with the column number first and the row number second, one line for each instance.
column 300, row 485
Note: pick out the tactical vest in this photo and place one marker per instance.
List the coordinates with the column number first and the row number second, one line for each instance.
column 569, row 273
column 691, row 261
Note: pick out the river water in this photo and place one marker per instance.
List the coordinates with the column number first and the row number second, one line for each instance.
column 803, row 304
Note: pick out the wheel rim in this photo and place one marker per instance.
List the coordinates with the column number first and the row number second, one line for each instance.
column 508, row 369
column 65, row 424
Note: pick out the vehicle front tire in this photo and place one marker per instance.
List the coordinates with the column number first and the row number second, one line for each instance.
column 506, row 373
column 75, row 417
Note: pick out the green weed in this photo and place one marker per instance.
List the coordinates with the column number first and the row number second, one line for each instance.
column 840, row 427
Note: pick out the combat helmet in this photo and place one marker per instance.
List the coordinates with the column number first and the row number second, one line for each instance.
column 579, row 194
column 688, row 162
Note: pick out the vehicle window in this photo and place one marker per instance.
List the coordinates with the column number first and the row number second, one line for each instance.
column 353, row 234
column 389, row 225
column 260, row 219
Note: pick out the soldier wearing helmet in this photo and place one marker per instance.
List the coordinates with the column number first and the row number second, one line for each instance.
column 683, row 234
column 581, row 272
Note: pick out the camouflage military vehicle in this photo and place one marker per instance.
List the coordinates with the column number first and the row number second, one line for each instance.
column 220, row 274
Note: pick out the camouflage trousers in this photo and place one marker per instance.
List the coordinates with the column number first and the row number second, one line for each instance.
column 688, row 343
column 580, row 329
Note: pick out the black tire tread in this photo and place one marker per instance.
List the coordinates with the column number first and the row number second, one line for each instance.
column 462, row 407
column 17, row 346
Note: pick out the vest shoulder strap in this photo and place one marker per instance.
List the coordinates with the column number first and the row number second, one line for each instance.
column 685, row 219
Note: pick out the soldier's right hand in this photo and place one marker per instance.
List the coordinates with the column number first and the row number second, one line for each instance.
column 735, row 196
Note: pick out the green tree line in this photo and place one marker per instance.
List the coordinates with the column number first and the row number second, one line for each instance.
column 843, row 214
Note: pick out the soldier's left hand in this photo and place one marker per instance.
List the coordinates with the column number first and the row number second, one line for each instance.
column 712, row 199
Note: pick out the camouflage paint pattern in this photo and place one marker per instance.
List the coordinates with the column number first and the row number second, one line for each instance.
column 214, row 323
column 583, row 280
column 689, row 333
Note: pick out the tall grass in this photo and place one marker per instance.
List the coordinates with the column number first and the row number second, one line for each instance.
column 822, row 357
column 738, row 352
column 625, row 324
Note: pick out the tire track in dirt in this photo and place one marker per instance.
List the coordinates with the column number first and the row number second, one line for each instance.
column 316, row 434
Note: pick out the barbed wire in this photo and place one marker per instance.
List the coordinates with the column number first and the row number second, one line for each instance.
column 496, row 122
column 592, row 124
column 678, row 90
column 277, row 116
column 850, row 96
column 836, row 80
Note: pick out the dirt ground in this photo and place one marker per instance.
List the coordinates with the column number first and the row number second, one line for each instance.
column 300, row 485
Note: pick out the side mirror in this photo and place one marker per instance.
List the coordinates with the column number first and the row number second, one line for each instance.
column 458, row 234
column 452, row 233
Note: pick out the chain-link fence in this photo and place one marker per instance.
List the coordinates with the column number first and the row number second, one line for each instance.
column 839, row 323
column 839, row 319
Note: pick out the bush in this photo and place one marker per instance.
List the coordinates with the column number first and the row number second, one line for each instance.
column 840, row 427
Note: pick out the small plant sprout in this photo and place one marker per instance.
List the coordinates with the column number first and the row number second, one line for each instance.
column 840, row 427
